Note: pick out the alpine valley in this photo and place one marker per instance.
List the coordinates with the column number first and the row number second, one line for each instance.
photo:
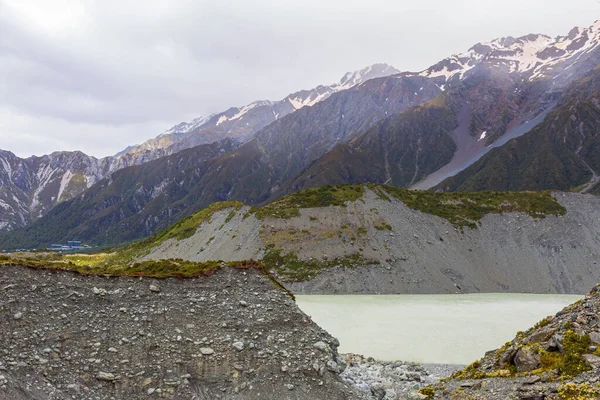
column 467, row 193
column 510, row 114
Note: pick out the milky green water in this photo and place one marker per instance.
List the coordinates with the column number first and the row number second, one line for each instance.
column 447, row 329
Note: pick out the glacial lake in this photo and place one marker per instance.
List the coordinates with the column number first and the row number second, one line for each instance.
column 444, row 329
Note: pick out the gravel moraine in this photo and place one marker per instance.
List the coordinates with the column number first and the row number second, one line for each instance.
column 233, row 335
column 392, row 380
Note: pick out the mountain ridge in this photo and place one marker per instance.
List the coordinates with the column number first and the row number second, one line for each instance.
column 279, row 157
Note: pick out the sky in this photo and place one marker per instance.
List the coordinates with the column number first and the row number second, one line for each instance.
column 98, row 76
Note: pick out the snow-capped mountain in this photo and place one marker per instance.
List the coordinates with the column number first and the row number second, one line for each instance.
column 533, row 56
column 241, row 123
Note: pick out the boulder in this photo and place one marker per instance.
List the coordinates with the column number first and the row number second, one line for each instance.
column 526, row 360
column 377, row 391
column 592, row 360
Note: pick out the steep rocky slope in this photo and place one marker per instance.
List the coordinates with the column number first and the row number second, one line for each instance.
column 138, row 201
column 231, row 335
column 560, row 153
column 241, row 123
column 386, row 240
column 496, row 92
column 30, row 187
column 34, row 185
column 558, row 359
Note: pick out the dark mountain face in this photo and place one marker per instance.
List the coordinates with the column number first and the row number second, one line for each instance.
column 406, row 148
column 563, row 152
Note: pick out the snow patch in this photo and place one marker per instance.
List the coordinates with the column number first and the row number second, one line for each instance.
column 66, row 178
column 222, row 119
column 482, row 136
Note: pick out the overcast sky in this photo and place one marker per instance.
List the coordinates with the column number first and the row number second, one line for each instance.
column 100, row 75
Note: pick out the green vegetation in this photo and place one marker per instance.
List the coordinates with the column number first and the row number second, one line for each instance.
column 427, row 391
column 578, row 391
column 291, row 269
column 183, row 229
column 462, row 209
column 100, row 264
column 290, row 205
column 231, row 215
column 567, row 363
column 465, row 209
column 382, row 226
column 571, row 363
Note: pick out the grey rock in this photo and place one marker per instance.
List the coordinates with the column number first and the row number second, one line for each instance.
column 592, row 360
column 321, row 346
column 239, row 346
column 154, row 288
column 206, row 351
column 378, row 391
column 526, row 360
column 105, row 376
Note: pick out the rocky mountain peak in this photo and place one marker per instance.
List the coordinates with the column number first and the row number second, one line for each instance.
column 378, row 70
column 535, row 56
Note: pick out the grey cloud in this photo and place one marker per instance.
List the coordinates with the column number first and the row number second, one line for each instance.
column 126, row 70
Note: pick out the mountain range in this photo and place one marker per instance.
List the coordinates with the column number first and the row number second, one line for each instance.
column 30, row 187
column 513, row 113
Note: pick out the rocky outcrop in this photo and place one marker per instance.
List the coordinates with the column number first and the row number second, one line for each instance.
column 233, row 335
column 558, row 358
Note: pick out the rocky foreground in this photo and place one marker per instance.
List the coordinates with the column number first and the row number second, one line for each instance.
column 233, row 335
column 559, row 358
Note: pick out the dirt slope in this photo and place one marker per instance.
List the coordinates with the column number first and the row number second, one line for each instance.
column 373, row 245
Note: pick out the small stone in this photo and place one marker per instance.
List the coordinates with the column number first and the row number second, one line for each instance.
column 112, row 350
column 73, row 387
column 595, row 337
column 18, row 315
column 239, row 346
column 243, row 303
column 592, row 360
column 105, row 376
column 154, row 288
column 321, row 346
column 530, row 380
column 377, row 390
column 206, row 351
column 289, row 386
column 150, row 390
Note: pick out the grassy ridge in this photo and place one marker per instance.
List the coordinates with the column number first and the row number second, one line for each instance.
column 467, row 208
column 460, row 208
column 325, row 196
